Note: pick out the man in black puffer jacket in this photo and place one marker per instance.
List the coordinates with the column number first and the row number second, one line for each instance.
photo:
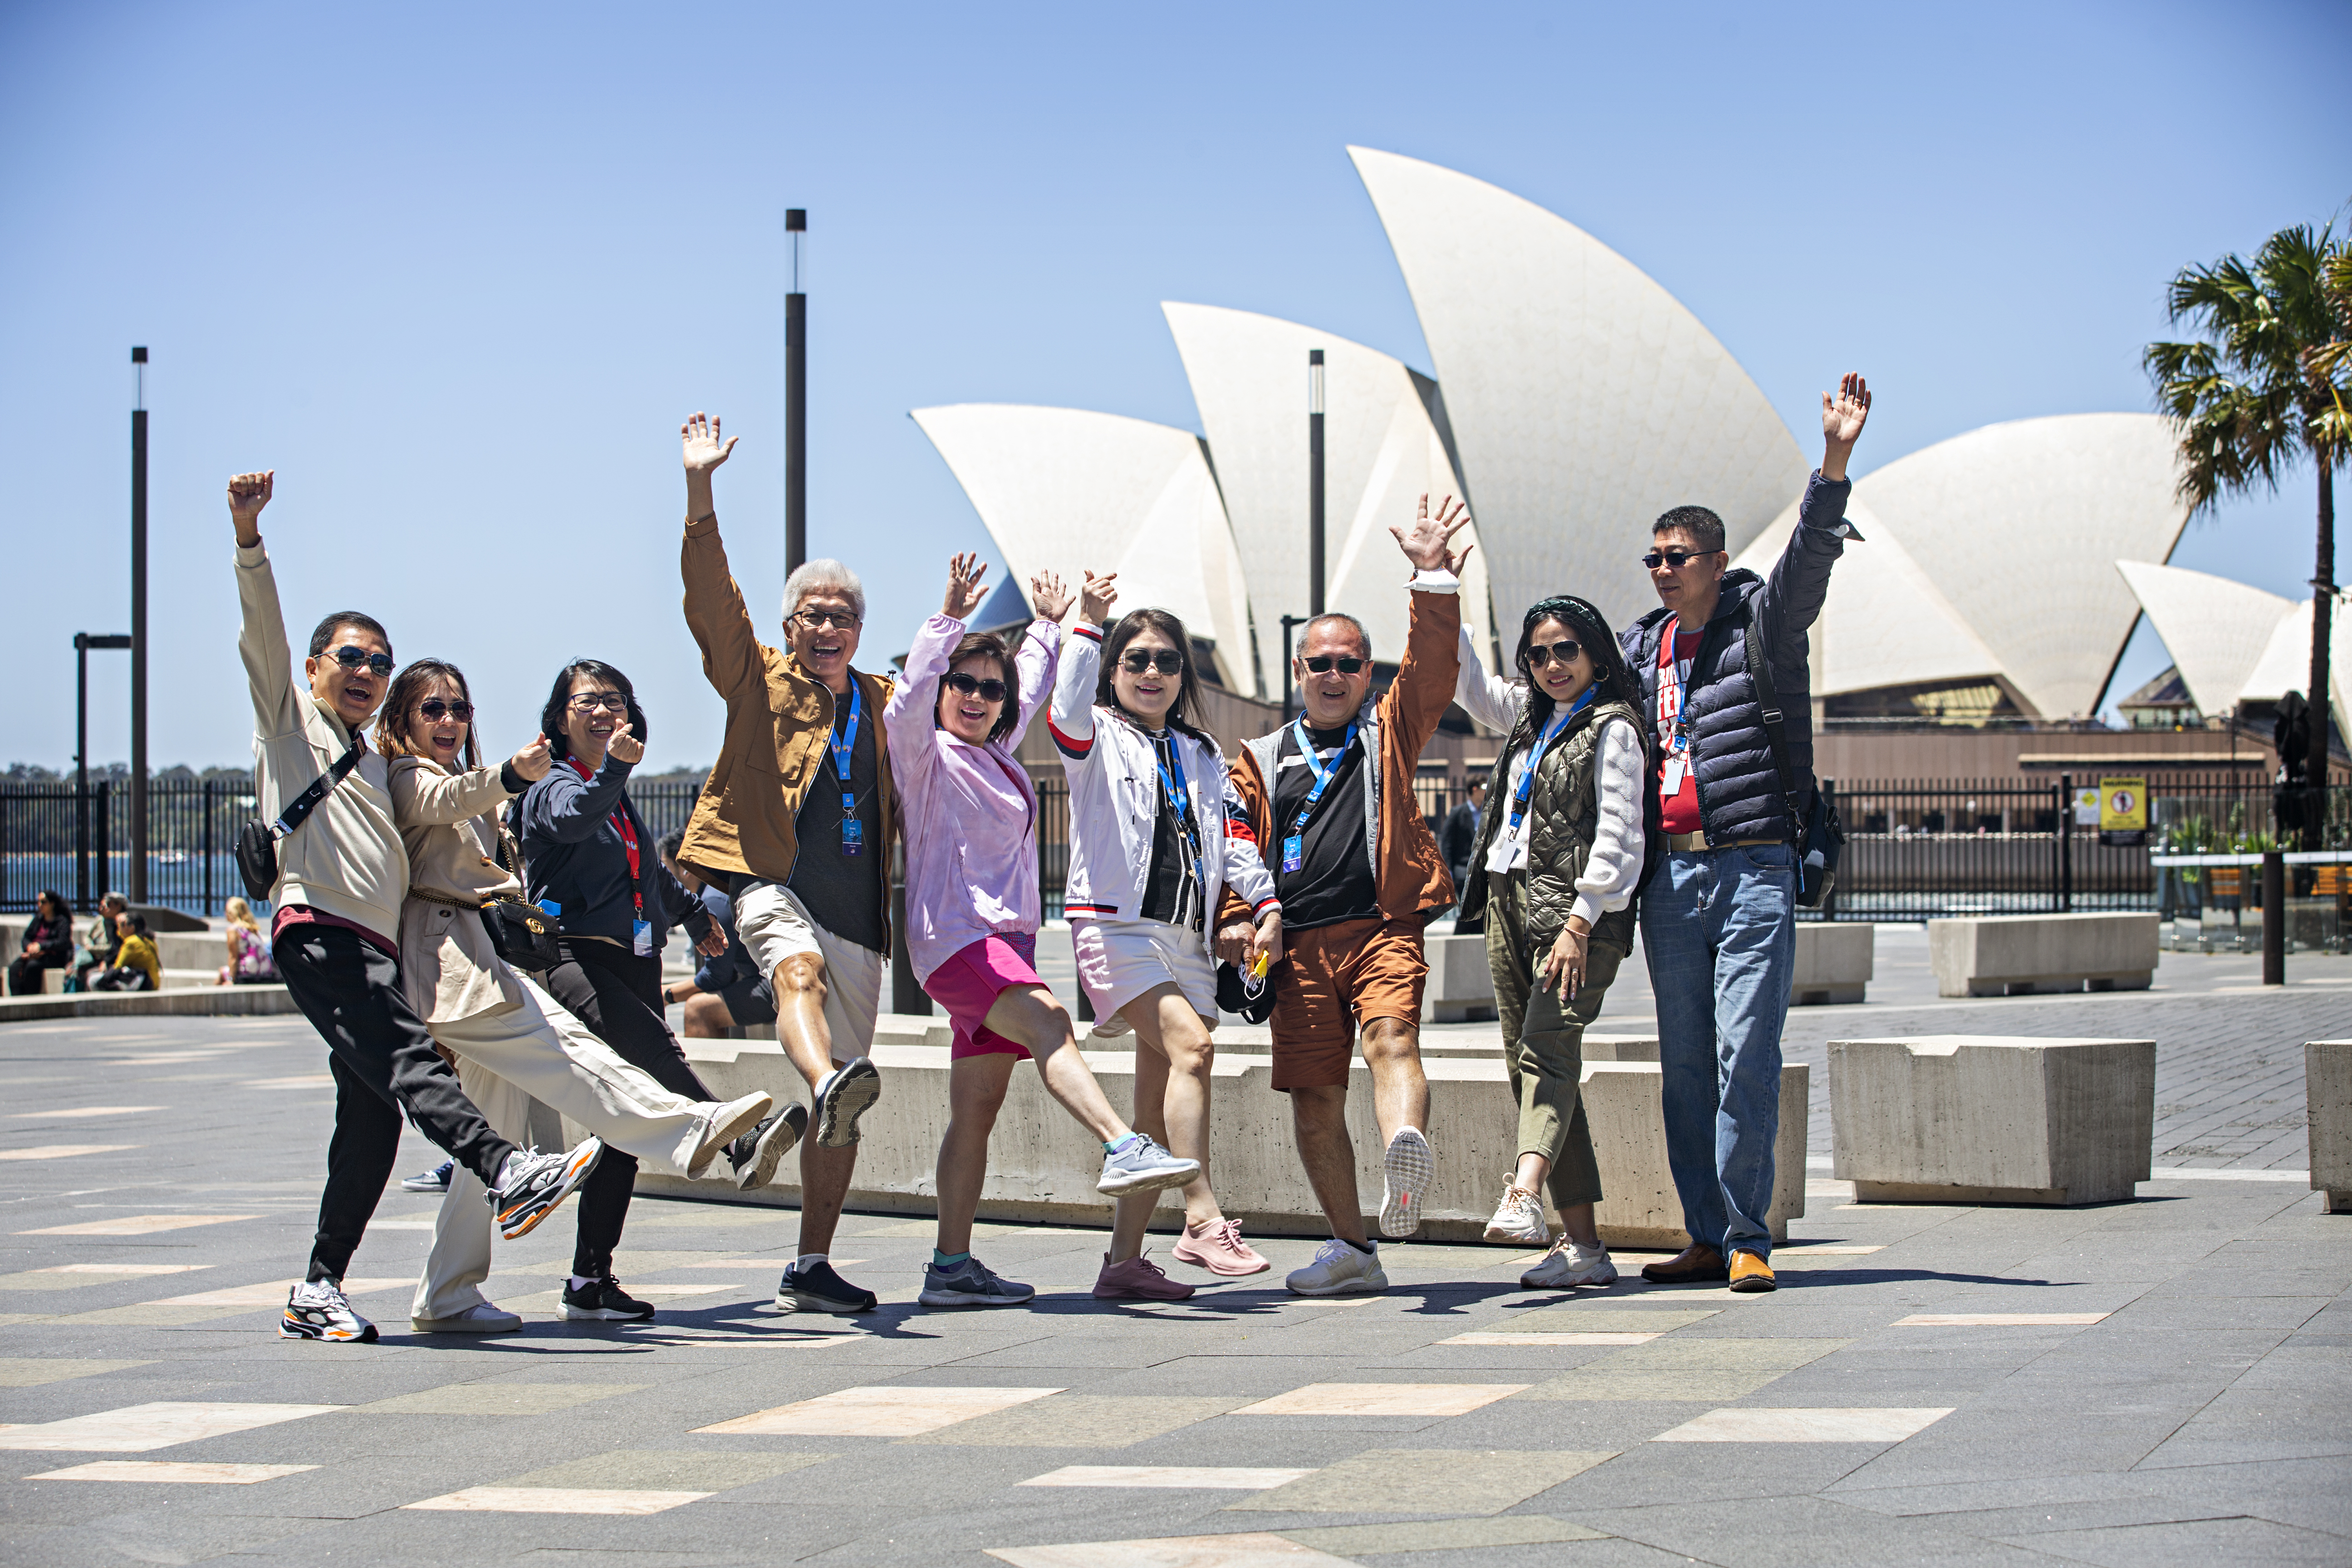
column 1719, row 912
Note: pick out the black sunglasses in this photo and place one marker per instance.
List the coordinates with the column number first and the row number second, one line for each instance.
column 989, row 690
column 1677, row 559
column 1322, row 663
column 351, row 657
column 1538, row 656
column 1166, row 660
column 435, row 709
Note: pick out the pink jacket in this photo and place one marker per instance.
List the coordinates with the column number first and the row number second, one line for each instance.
column 970, row 812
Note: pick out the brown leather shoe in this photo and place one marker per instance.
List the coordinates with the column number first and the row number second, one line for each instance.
column 1694, row 1265
column 1751, row 1273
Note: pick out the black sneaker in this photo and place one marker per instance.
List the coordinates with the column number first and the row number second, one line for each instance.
column 755, row 1155
column 843, row 1096
column 435, row 1180
column 318, row 1310
column 532, row 1185
column 603, row 1299
column 817, row 1289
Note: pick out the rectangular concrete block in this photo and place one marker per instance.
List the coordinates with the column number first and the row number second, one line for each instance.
column 2019, row 955
column 1624, row 1106
column 1461, row 988
column 1991, row 1118
column 1834, row 962
column 2327, row 1090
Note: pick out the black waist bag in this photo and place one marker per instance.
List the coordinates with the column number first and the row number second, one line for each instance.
column 256, row 849
column 1820, row 837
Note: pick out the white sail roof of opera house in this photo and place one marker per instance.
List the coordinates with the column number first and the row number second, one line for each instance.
column 2286, row 664
column 1585, row 400
column 2216, row 630
column 1383, row 449
column 1066, row 489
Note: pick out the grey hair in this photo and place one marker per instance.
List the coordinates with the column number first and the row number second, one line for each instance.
column 1363, row 638
column 820, row 577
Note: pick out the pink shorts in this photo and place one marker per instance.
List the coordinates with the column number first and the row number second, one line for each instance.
column 968, row 983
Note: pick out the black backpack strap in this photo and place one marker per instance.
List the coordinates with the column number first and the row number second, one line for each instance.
column 302, row 805
column 1759, row 673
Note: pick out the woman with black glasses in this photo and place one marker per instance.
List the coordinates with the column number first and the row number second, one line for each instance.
column 1561, row 846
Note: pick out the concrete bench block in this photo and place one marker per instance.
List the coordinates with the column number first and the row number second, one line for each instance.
column 1973, row 1119
column 1625, row 1107
column 2018, row 955
column 1834, row 962
column 1461, row 988
column 2327, row 1090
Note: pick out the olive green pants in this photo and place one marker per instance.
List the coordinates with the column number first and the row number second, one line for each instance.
column 1543, row 1042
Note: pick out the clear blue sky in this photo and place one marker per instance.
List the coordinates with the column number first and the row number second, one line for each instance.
column 458, row 271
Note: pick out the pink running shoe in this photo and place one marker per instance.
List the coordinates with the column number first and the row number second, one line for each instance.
column 1137, row 1280
column 1218, row 1248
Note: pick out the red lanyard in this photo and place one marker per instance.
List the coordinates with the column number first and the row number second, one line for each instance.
column 628, row 831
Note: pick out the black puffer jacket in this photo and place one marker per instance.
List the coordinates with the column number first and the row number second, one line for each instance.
column 1739, row 788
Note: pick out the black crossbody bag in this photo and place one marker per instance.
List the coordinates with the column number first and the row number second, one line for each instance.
column 1820, row 837
column 256, row 850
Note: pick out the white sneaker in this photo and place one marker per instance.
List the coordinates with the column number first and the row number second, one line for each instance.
column 481, row 1317
column 318, row 1310
column 1339, row 1269
column 1405, row 1171
column 1569, row 1264
column 1520, row 1217
column 727, row 1123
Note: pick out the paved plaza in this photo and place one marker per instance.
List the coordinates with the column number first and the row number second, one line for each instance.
column 2161, row 1381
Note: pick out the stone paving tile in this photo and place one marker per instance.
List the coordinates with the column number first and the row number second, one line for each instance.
column 2192, row 1544
column 1426, row 1480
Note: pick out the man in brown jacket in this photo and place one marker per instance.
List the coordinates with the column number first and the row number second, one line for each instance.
column 1359, row 875
column 796, row 823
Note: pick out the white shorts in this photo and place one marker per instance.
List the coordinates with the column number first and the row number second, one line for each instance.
column 1119, row 960
column 775, row 925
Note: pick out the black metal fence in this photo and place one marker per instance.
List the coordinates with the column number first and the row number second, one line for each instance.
column 1914, row 848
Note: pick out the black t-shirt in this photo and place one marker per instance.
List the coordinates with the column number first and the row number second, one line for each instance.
column 1335, row 881
column 844, row 892
column 1172, row 892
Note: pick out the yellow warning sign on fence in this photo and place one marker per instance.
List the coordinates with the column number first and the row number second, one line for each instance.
column 2123, row 811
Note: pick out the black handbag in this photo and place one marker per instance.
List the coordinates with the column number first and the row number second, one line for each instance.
column 523, row 935
column 256, row 850
column 1820, row 837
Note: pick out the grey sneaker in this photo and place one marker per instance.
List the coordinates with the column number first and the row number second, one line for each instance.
column 1405, row 1171
column 481, row 1317
column 1568, row 1265
column 1520, row 1217
column 1143, row 1166
column 843, row 1096
column 532, row 1184
column 970, row 1283
column 435, row 1180
column 318, row 1310
column 1339, row 1269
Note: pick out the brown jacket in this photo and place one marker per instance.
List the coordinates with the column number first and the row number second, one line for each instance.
column 777, row 719
column 1413, row 883
column 448, row 970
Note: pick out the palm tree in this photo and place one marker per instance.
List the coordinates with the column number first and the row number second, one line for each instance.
column 2263, row 386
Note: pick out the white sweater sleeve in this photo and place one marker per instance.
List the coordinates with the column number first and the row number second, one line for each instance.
column 1614, row 867
column 1489, row 699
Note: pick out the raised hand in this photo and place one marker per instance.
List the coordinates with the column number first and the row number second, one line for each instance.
column 964, row 591
column 699, row 438
column 1050, row 597
column 533, row 761
column 1842, row 417
column 1429, row 543
column 1096, row 597
column 248, row 494
column 626, row 745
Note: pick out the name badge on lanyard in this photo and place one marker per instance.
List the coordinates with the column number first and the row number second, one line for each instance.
column 843, row 746
column 1294, row 847
column 1673, row 730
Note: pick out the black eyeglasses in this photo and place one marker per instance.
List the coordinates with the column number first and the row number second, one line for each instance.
column 351, row 657
column 435, row 709
column 818, row 620
column 1676, row 559
column 967, row 685
column 1166, row 660
column 589, row 701
column 1538, row 656
column 1346, row 663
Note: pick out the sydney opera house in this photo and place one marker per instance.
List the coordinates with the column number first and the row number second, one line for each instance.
column 1574, row 401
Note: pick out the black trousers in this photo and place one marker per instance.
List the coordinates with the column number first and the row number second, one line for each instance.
column 618, row 996
column 384, row 1063
column 25, row 975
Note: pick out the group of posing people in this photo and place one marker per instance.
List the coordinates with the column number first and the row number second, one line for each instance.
column 1303, row 864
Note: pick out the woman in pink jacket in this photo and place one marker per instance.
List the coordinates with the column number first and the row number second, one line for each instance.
column 973, row 912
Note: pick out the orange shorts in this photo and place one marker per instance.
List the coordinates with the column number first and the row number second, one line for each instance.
column 1334, row 979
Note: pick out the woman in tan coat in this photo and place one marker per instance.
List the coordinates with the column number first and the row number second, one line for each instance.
column 513, row 1042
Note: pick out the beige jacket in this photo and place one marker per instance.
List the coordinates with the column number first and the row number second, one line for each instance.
column 448, row 970
column 346, row 858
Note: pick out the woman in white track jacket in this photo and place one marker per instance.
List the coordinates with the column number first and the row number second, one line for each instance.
column 1155, row 838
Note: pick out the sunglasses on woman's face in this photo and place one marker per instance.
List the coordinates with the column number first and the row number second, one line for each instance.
column 436, row 709
column 965, row 685
column 1324, row 663
column 351, row 657
column 1166, row 660
column 1538, row 656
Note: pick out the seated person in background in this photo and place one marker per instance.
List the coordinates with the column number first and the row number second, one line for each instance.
column 47, row 945
column 99, row 943
column 136, row 966
column 249, row 963
column 728, row 991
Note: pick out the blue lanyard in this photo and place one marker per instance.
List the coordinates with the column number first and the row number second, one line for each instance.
column 1535, row 756
column 843, row 746
column 1180, row 802
column 1323, row 776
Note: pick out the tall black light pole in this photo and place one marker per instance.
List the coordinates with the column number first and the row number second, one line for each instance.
column 796, row 398
column 83, row 643
column 1314, row 482
column 138, row 891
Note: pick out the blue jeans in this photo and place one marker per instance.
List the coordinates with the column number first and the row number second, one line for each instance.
column 1719, row 930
